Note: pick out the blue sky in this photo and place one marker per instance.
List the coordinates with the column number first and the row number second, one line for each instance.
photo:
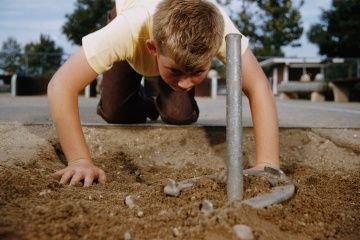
column 25, row 20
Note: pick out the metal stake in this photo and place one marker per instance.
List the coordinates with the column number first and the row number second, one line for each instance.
column 235, row 188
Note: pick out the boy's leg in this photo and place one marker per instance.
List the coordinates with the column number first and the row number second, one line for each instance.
column 122, row 97
column 176, row 107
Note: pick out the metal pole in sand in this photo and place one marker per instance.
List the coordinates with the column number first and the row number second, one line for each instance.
column 235, row 188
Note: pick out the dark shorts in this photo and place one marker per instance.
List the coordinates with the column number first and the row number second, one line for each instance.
column 123, row 99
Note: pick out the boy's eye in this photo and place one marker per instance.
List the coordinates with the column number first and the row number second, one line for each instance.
column 198, row 73
column 176, row 72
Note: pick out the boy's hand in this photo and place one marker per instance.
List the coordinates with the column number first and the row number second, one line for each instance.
column 78, row 170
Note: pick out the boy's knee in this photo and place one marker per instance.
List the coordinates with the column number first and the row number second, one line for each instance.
column 176, row 107
column 176, row 121
column 182, row 118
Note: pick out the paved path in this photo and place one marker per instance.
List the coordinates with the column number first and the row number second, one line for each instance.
column 292, row 113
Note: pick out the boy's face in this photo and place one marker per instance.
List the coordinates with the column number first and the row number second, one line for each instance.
column 174, row 75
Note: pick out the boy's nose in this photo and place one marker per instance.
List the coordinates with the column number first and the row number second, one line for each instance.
column 188, row 82
column 185, row 83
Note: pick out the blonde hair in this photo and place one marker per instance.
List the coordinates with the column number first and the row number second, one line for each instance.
column 188, row 31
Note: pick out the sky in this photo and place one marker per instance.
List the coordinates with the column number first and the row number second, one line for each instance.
column 25, row 20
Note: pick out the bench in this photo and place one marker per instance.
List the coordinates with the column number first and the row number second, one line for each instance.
column 289, row 90
column 342, row 87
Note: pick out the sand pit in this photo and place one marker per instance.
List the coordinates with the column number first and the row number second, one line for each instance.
column 324, row 164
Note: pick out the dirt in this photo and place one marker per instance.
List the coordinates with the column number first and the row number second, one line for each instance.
column 324, row 164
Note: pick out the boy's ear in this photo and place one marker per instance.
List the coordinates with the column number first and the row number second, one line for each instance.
column 150, row 44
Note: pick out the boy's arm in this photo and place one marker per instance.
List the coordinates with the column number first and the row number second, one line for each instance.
column 63, row 91
column 263, row 110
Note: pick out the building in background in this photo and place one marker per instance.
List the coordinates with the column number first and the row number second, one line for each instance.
column 279, row 70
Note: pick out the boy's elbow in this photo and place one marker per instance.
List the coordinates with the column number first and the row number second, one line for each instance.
column 55, row 87
column 262, row 89
column 51, row 87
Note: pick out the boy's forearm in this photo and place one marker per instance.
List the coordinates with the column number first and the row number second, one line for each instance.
column 265, row 121
column 63, row 91
column 263, row 110
column 65, row 114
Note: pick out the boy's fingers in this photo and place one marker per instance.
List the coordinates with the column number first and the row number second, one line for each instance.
column 76, row 178
column 66, row 177
column 58, row 174
column 88, row 180
column 102, row 177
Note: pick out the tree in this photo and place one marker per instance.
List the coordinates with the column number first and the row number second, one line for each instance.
column 270, row 24
column 89, row 16
column 10, row 55
column 337, row 35
column 42, row 58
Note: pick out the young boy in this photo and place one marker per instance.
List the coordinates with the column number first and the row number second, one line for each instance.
column 173, row 39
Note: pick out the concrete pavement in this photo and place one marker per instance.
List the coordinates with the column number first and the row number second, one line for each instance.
column 292, row 113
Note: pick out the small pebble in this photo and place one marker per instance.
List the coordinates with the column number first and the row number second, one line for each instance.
column 243, row 232
column 127, row 236
column 137, row 173
column 162, row 212
column 42, row 193
column 171, row 188
column 140, row 213
column 176, row 232
column 129, row 202
column 206, row 206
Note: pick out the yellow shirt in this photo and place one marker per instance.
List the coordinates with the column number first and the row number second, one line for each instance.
column 124, row 38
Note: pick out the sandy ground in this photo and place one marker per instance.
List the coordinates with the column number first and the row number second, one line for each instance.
column 324, row 164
